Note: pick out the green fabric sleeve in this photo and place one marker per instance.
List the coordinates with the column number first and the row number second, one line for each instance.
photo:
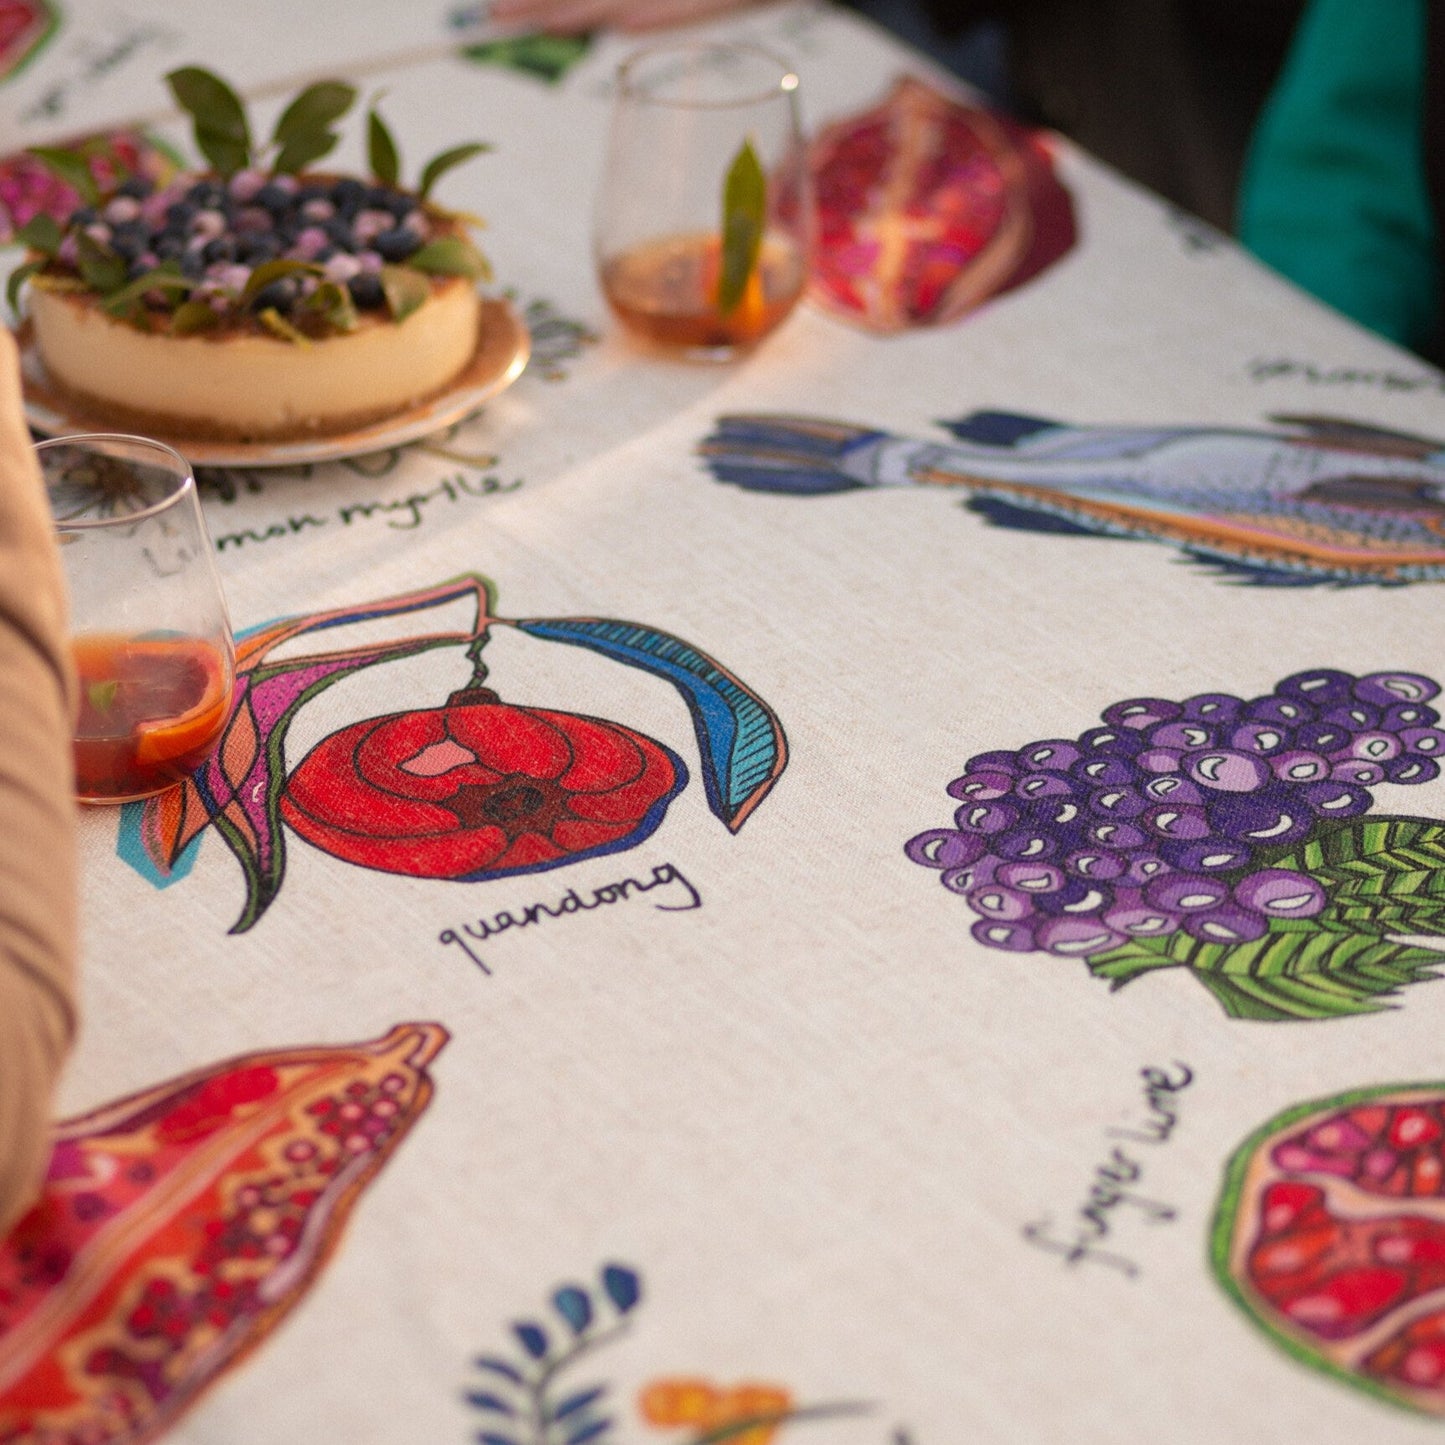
column 1334, row 193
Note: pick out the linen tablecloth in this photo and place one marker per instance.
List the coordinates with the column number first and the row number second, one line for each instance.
column 757, row 1097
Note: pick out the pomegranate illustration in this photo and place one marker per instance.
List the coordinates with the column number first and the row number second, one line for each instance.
column 180, row 1225
column 1331, row 1235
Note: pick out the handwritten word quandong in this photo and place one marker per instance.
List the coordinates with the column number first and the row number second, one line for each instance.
column 571, row 903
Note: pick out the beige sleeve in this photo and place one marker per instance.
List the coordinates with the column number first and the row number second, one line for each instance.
column 37, row 811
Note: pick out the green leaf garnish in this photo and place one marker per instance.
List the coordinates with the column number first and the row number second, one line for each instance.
column 278, row 325
column 269, row 271
column 18, row 278
column 41, row 233
column 304, row 133
column 165, row 277
column 69, row 167
column 381, row 150
column 438, row 166
column 101, row 695
column 332, row 302
column 191, row 317
column 450, row 256
column 99, row 266
column 222, row 134
column 745, row 200
column 405, row 289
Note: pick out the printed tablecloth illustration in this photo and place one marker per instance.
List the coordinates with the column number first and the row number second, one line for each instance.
column 1333, row 501
column 525, row 1394
column 1331, row 1236
column 471, row 789
column 180, row 1225
column 1217, row 834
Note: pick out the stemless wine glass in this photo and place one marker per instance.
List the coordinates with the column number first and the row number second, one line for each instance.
column 704, row 219
column 149, row 631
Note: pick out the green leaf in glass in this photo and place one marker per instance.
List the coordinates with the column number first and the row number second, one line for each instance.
column 744, row 211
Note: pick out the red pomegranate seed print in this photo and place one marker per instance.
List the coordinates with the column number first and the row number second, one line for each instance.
column 1331, row 1235
column 180, row 1225
column 479, row 789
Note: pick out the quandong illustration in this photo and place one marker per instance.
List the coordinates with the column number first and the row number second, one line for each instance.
column 179, row 1226
column 927, row 207
column 525, row 1394
column 1219, row 834
column 1329, row 501
column 1330, row 1235
column 469, row 788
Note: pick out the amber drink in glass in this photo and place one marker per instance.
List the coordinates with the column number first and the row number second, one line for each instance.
column 704, row 218
column 149, row 631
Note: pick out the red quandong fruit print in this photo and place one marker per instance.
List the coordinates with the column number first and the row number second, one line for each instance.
column 470, row 789
column 1331, row 1235
column 479, row 789
column 179, row 1226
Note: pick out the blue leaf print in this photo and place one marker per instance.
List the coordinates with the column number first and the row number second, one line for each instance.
column 574, row 1306
column 533, row 1338
column 622, row 1285
column 487, row 1438
column 589, row 1432
column 483, row 1401
column 498, row 1367
column 573, row 1403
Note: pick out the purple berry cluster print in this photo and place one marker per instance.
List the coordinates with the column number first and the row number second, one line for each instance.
column 1223, row 834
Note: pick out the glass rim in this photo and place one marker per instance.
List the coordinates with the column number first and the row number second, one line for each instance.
column 786, row 83
column 93, row 439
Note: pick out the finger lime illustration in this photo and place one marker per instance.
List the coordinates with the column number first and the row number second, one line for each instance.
column 466, row 787
column 179, row 1226
column 1330, row 1235
column 1219, row 834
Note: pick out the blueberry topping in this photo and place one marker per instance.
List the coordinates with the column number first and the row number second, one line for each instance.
column 340, row 234
column 366, row 291
column 193, row 267
column 220, row 248
column 168, row 246
column 280, row 295
column 273, row 197
column 347, row 195
column 136, row 187
column 207, row 195
column 396, row 245
column 179, row 215
column 84, row 216
column 253, row 250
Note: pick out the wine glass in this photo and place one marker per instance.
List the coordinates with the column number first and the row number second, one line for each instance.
column 704, row 219
column 149, row 631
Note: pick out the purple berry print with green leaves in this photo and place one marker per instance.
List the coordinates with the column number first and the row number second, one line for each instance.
column 1221, row 834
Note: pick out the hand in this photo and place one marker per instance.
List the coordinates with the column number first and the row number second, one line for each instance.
column 573, row 17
